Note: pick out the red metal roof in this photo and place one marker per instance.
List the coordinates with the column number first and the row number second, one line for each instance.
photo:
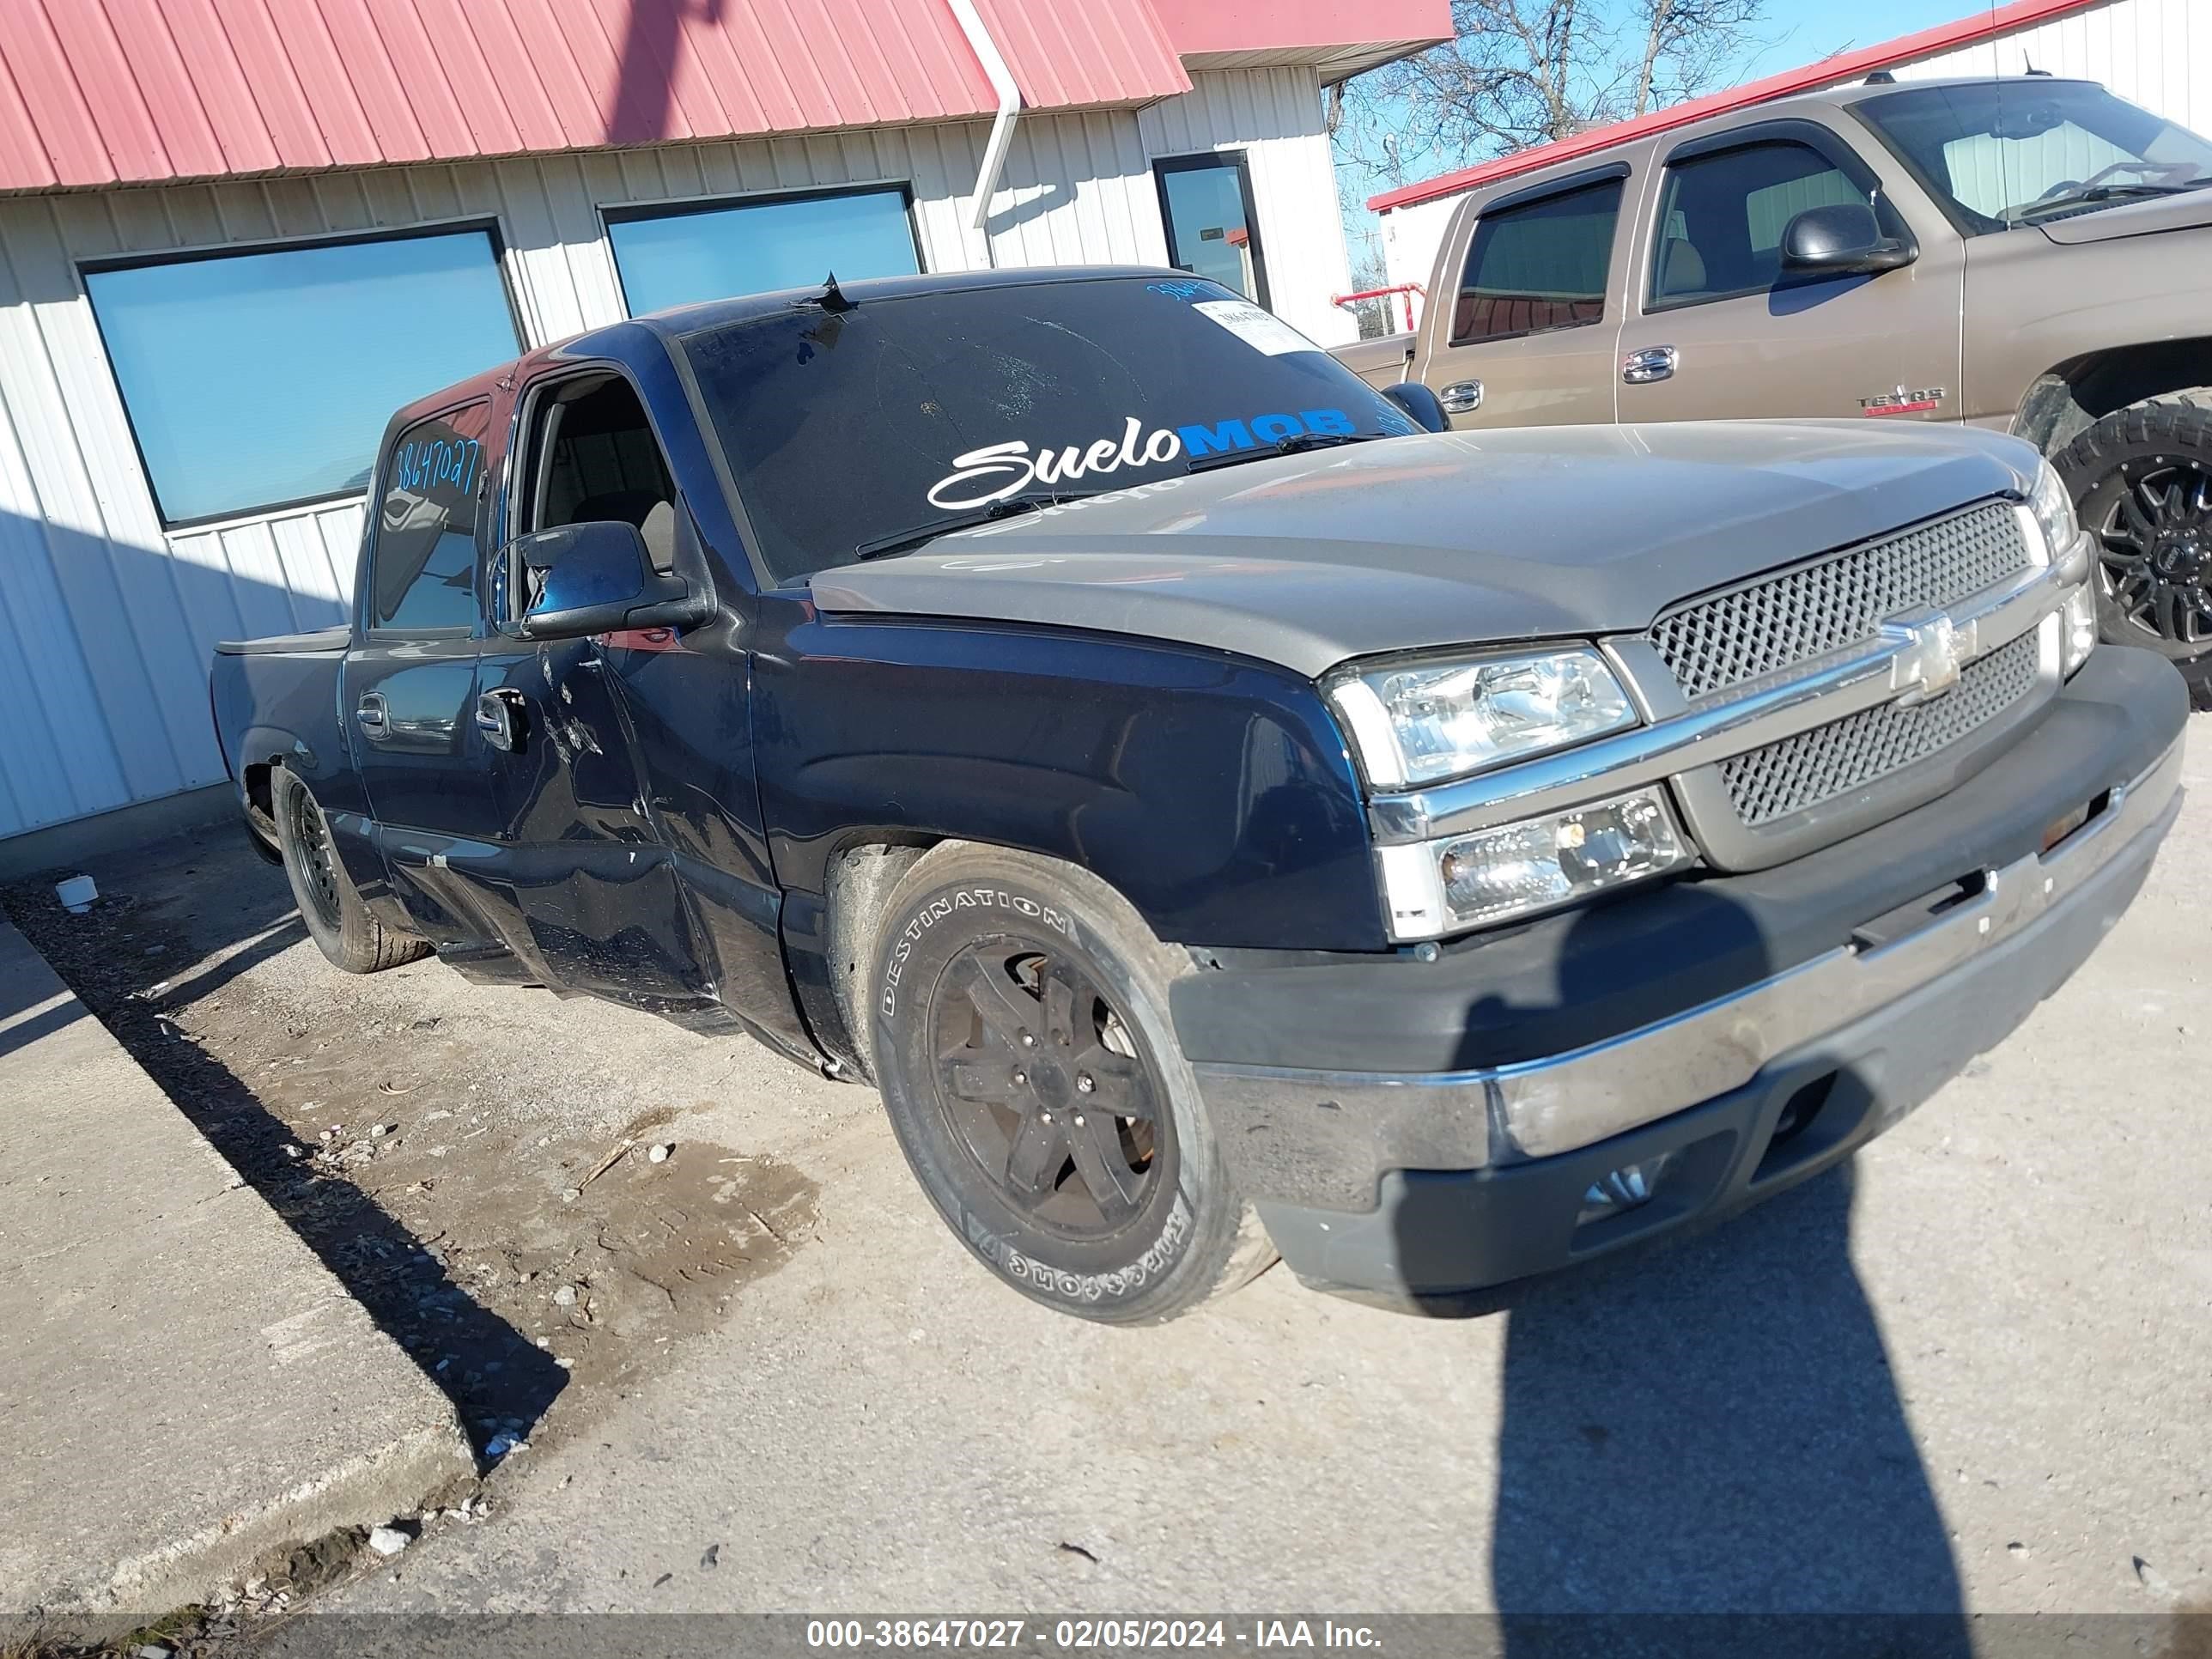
column 104, row 92
column 1844, row 66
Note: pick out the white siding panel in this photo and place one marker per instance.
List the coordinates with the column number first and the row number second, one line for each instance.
column 2157, row 54
column 106, row 620
column 1274, row 116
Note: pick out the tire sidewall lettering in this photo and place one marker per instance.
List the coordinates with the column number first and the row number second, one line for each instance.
column 1158, row 1259
column 944, row 905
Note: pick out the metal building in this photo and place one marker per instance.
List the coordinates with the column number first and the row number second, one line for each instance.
column 234, row 234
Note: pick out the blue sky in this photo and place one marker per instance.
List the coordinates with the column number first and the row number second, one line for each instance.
column 1811, row 28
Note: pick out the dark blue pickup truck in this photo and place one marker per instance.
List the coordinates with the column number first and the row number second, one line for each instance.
column 1222, row 812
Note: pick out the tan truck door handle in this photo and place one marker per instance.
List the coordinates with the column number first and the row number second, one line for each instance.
column 1652, row 363
column 1460, row 397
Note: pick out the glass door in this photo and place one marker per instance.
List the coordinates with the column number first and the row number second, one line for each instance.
column 1205, row 202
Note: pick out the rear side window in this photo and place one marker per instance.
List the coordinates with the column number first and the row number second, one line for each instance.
column 1721, row 218
column 1539, row 266
column 423, row 574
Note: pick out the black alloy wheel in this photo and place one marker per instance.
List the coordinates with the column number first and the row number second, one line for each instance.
column 2155, row 551
column 1039, row 1080
column 317, row 858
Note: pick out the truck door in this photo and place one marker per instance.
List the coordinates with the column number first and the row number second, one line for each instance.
column 1529, row 338
column 408, row 684
column 590, row 877
column 1719, row 330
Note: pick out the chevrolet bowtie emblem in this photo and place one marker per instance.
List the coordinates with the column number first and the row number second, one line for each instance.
column 1930, row 652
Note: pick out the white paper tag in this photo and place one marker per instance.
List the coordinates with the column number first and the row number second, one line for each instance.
column 1255, row 327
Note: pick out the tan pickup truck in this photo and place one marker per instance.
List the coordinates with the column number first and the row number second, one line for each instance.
column 2031, row 255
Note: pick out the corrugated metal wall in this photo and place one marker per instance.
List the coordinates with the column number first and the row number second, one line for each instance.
column 107, row 622
column 2157, row 54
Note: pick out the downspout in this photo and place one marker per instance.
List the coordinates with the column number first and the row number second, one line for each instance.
column 1002, row 126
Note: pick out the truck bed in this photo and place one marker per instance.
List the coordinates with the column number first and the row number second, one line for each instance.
column 324, row 641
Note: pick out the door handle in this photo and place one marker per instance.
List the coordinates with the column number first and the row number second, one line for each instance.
column 371, row 715
column 1652, row 363
column 1460, row 397
column 499, row 717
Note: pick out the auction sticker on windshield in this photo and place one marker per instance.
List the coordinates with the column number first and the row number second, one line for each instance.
column 1261, row 329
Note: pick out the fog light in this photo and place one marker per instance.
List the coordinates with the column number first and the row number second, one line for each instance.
column 2077, row 630
column 1540, row 862
column 1618, row 1191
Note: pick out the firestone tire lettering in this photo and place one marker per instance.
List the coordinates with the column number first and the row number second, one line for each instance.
column 1158, row 1257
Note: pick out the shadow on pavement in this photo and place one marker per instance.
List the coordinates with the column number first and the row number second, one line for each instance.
column 188, row 900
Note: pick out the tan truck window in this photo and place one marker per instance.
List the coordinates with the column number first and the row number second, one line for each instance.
column 1721, row 218
column 1539, row 266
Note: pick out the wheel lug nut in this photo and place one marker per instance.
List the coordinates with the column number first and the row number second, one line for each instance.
column 1079, row 1120
column 1021, row 1079
column 1028, row 1042
column 1083, row 1085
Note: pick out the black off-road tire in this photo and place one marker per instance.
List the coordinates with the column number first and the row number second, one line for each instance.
column 981, row 949
column 2165, row 441
column 342, row 924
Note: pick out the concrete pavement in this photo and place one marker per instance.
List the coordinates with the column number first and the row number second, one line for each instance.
column 183, row 1385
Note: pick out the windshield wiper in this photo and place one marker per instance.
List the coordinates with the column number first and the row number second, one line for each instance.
column 2098, row 194
column 1295, row 444
column 900, row 540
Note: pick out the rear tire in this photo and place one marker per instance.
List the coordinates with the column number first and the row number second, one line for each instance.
column 2142, row 480
column 1030, row 1070
column 337, row 919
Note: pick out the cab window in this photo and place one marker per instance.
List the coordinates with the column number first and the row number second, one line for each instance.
column 422, row 573
column 1721, row 218
column 1538, row 266
column 592, row 457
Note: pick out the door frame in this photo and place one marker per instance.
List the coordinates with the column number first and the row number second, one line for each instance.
column 1199, row 161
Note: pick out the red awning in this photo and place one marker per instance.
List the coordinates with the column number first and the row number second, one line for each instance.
column 103, row 92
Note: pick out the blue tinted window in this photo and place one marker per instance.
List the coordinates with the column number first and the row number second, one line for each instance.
column 681, row 258
column 257, row 378
column 423, row 579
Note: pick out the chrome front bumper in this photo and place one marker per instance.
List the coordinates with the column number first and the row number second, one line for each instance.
column 1513, row 1114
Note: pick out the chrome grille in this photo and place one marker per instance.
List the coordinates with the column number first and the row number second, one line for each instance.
column 1724, row 639
column 1831, row 760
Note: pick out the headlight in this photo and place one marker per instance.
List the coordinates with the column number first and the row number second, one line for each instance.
column 2054, row 512
column 1536, row 864
column 1418, row 723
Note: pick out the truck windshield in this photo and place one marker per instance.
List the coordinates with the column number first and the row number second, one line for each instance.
column 859, row 431
column 2025, row 151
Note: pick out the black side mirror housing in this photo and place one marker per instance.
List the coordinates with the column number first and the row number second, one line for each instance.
column 1418, row 401
column 598, row 578
column 1843, row 238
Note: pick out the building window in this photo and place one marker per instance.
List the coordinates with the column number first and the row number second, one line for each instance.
column 680, row 256
column 1539, row 266
column 423, row 576
column 265, row 380
column 1722, row 216
column 1205, row 204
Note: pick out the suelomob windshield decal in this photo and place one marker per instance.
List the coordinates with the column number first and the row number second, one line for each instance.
column 997, row 471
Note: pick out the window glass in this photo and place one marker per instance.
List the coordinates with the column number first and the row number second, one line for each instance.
column 1538, row 267
column 843, row 430
column 424, row 575
column 680, row 259
column 2023, row 152
column 594, row 460
column 1724, row 216
column 1209, row 233
column 254, row 380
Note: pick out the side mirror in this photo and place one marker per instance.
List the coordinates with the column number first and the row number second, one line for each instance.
column 1418, row 401
column 597, row 578
column 1841, row 239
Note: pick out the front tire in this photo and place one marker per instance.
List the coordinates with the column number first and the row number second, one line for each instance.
column 337, row 919
column 1031, row 1072
column 2142, row 480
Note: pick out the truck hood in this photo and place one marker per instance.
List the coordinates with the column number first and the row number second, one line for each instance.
column 2152, row 213
column 1449, row 538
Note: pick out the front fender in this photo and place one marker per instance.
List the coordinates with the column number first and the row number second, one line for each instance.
column 1214, row 792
